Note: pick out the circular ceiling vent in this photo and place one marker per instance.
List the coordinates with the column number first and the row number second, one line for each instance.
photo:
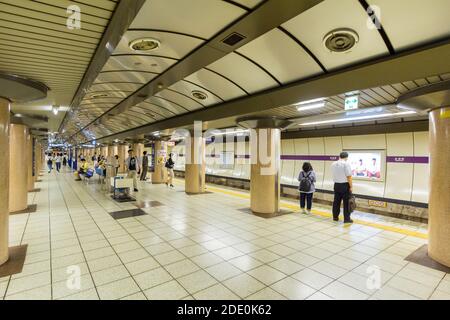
column 145, row 44
column 98, row 95
column 200, row 95
column 341, row 40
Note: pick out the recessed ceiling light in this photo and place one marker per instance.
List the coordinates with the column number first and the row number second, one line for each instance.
column 55, row 110
column 144, row 44
column 98, row 95
column 340, row 40
column 200, row 95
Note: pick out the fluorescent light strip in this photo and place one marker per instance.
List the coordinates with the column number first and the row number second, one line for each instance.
column 312, row 106
column 357, row 118
column 310, row 101
column 230, row 132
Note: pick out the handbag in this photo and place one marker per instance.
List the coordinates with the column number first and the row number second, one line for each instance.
column 352, row 203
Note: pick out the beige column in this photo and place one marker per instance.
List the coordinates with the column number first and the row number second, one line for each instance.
column 18, row 168
column 4, row 180
column 195, row 167
column 30, row 162
column 37, row 155
column 159, row 175
column 122, row 152
column 265, row 171
column 439, row 200
column 105, row 152
column 110, row 161
column 138, row 149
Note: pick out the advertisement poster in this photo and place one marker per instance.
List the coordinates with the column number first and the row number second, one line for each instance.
column 367, row 164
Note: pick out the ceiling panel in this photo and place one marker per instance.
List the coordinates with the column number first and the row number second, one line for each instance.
column 187, row 88
column 249, row 3
column 36, row 43
column 125, row 76
column 202, row 18
column 175, row 109
column 244, row 73
column 213, row 82
column 410, row 23
column 138, row 62
column 115, row 86
column 281, row 56
column 173, row 45
column 328, row 16
column 180, row 99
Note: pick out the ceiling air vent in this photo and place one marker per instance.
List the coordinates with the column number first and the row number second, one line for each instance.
column 200, row 95
column 341, row 40
column 233, row 39
column 144, row 44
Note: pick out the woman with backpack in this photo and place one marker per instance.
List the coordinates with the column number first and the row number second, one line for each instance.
column 307, row 178
column 169, row 165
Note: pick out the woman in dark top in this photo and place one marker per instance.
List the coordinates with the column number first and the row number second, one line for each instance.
column 306, row 178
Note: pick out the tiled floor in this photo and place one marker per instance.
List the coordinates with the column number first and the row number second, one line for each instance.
column 204, row 247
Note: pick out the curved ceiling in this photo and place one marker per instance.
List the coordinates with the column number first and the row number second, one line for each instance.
column 135, row 89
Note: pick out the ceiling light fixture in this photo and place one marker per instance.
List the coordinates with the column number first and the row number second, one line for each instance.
column 144, row 44
column 200, row 95
column 357, row 118
column 340, row 40
column 316, row 105
column 55, row 109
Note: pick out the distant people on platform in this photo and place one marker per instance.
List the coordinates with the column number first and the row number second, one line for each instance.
column 101, row 164
column 132, row 165
column 170, row 175
column 307, row 180
column 94, row 158
column 64, row 159
column 58, row 160
column 116, row 165
column 343, row 185
column 144, row 166
column 83, row 169
column 49, row 160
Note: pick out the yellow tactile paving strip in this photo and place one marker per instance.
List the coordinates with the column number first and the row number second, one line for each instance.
column 326, row 214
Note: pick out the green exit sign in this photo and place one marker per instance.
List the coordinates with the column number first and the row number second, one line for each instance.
column 351, row 103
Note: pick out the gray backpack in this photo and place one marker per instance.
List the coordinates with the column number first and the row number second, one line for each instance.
column 305, row 183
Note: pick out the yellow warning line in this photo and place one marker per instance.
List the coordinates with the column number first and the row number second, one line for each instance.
column 328, row 215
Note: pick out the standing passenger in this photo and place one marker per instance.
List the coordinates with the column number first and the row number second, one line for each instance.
column 58, row 161
column 132, row 165
column 343, row 185
column 169, row 165
column 307, row 178
column 144, row 166
column 65, row 160
column 49, row 160
column 116, row 165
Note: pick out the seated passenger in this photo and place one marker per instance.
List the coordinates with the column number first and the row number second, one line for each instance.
column 82, row 171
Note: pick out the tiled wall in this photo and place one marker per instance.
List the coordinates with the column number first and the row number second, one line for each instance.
column 407, row 167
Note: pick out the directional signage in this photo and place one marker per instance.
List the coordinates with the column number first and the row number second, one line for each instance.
column 351, row 103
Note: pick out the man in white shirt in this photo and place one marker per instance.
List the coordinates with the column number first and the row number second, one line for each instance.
column 343, row 185
column 132, row 165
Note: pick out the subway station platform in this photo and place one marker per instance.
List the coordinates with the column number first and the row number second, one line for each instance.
column 207, row 246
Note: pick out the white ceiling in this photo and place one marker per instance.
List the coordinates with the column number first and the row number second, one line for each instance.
column 292, row 52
